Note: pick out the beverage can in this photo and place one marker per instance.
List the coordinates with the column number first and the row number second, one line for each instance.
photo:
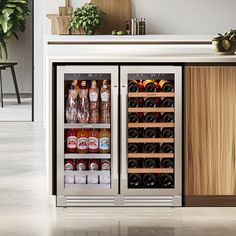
column 81, row 164
column 69, row 165
column 105, row 164
column 94, row 164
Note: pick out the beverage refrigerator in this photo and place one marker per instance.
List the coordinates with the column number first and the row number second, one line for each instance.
column 118, row 139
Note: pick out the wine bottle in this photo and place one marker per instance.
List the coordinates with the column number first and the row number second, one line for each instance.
column 149, row 163
column 168, row 102
column 167, row 163
column 134, row 180
column 133, row 133
column 133, row 86
column 135, row 117
column 133, row 148
column 168, row 117
column 151, row 86
column 149, row 180
column 152, row 102
column 166, row 86
column 149, row 148
column 133, row 163
column 168, row 132
column 135, row 102
column 151, row 133
column 167, row 148
column 152, row 117
column 166, row 180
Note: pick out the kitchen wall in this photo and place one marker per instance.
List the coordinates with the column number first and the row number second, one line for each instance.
column 175, row 16
column 21, row 52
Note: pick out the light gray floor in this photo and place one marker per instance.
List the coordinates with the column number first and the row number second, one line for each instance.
column 27, row 210
column 12, row 111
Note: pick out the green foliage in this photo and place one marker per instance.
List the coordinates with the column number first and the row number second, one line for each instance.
column 88, row 17
column 12, row 20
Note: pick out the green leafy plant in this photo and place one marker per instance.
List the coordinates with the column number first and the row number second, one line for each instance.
column 89, row 18
column 12, row 21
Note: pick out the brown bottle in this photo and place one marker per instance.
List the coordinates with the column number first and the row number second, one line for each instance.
column 166, row 86
column 152, row 102
column 152, row 117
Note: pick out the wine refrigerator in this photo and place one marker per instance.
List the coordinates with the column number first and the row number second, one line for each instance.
column 117, row 135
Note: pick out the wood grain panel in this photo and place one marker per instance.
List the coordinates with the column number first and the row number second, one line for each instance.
column 210, row 130
column 151, row 170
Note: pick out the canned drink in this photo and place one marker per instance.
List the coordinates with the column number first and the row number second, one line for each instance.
column 105, row 165
column 81, row 164
column 69, row 165
column 94, row 164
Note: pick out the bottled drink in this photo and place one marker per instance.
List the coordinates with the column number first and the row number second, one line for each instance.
column 152, row 102
column 135, row 117
column 94, row 104
column 104, row 141
column 168, row 132
column 135, row 102
column 168, row 117
column 72, row 104
column 149, row 148
column 105, row 165
column 71, row 141
column 134, row 180
column 82, row 141
column 93, row 140
column 149, row 163
column 133, row 148
column 150, row 86
column 149, row 180
column 133, row 163
column 81, row 164
column 151, row 133
column 166, row 86
column 167, row 163
column 69, row 165
column 166, row 180
column 152, row 117
column 167, row 148
column 133, row 133
column 94, row 164
column 105, row 103
column 168, row 102
column 83, row 110
column 133, row 86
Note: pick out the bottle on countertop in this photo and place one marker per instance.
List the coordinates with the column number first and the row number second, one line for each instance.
column 134, row 26
column 142, row 26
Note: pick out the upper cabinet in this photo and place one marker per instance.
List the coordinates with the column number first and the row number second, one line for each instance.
column 210, row 130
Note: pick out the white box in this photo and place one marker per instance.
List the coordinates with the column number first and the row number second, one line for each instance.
column 92, row 177
column 69, row 179
column 81, row 178
column 105, row 177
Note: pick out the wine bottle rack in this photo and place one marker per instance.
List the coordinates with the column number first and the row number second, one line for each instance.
column 148, row 109
column 151, row 170
column 151, row 125
column 150, row 140
column 151, row 155
column 160, row 139
column 149, row 95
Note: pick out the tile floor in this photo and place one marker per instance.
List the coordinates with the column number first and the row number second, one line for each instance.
column 27, row 210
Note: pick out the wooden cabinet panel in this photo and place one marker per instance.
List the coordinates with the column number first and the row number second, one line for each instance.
column 210, row 130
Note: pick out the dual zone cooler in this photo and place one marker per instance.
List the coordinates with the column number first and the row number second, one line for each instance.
column 119, row 140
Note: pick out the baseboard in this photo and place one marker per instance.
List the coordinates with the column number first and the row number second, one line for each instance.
column 209, row 201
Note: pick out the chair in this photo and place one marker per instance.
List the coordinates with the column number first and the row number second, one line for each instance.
column 4, row 66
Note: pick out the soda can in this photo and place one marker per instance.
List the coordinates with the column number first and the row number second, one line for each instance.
column 81, row 164
column 69, row 165
column 94, row 164
column 105, row 165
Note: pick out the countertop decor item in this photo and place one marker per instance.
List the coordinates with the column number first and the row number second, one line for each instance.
column 116, row 14
column 89, row 18
column 60, row 22
column 12, row 21
column 225, row 44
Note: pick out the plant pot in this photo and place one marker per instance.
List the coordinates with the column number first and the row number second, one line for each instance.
column 77, row 31
column 224, row 47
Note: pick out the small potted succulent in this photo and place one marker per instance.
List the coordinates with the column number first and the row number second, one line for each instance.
column 88, row 18
column 225, row 44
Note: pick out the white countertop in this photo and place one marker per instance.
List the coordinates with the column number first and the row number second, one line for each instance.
column 158, row 39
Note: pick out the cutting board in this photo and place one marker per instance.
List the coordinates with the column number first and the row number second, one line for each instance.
column 117, row 13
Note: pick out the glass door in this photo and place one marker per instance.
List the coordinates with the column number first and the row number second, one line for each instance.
column 151, row 130
column 87, row 133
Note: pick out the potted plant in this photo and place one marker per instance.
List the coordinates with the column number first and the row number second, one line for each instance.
column 225, row 44
column 12, row 21
column 88, row 18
